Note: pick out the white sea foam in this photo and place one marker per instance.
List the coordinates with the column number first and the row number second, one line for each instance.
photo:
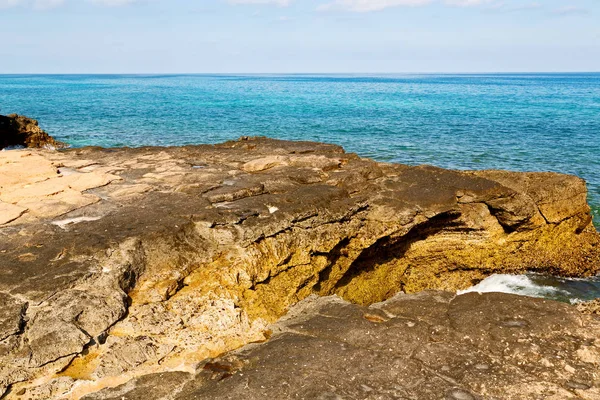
column 514, row 284
column 7, row 148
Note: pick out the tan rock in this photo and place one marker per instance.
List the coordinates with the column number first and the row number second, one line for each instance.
column 21, row 167
column 34, row 191
column 10, row 212
column 59, row 204
column 130, row 190
column 265, row 163
column 91, row 180
column 590, row 307
column 313, row 161
column 77, row 164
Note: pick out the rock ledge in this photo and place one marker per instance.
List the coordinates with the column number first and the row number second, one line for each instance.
column 120, row 264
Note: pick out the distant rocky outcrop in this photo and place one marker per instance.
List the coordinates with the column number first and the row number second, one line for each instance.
column 17, row 130
column 121, row 265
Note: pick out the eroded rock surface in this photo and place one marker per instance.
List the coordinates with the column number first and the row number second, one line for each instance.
column 17, row 130
column 590, row 307
column 427, row 346
column 117, row 264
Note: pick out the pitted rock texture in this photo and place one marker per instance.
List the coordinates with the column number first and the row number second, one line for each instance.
column 122, row 263
column 428, row 346
column 17, row 130
column 590, row 307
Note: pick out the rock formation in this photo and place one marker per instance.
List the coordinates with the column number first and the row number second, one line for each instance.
column 19, row 131
column 590, row 307
column 429, row 346
column 121, row 264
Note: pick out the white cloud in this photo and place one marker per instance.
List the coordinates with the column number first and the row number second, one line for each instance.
column 113, row 3
column 48, row 4
column 377, row 5
column 358, row 6
column 370, row 5
column 280, row 3
column 503, row 7
column 9, row 3
column 570, row 10
column 35, row 4
column 468, row 3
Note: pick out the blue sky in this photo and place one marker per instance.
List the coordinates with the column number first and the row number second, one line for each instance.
column 229, row 36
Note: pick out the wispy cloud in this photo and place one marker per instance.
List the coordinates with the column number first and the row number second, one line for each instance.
column 508, row 8
column 279, row 3
column 468, row 3
column 354, row 6
column 370, row 5
column 49, row 4
column 570, row 10
column 113, row 3
column 9, row 3
column 35, row 4
column 361, row 6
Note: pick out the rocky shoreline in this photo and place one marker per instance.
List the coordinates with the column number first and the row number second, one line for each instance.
column 20, row 131
column 125, row 270
column 432, row 345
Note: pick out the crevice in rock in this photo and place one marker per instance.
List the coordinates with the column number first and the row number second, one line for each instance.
column 23, row 321
column 333, row 257
column 63, row 357
column 8, row 391
column 392, row 247
column 539, row 210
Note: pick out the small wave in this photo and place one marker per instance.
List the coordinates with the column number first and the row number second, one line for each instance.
column 522, row 285
column 569, row 290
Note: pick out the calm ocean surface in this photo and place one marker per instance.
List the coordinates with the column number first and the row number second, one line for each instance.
column 524, row 122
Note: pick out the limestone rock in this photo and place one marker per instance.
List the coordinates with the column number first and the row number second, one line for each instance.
column 590, row 307
column 433, row 345
column 10, row 212
column 33, row 185
column 17, row 130
column 132, row 263
column 11, row 315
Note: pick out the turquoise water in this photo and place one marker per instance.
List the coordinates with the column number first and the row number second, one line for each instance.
column 529, row 122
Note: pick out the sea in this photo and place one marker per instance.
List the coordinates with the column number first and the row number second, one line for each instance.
column 522, row 122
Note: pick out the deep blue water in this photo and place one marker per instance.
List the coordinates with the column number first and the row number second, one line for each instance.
column 526, row 122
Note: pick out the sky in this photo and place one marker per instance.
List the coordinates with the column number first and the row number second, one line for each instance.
column 299, row 36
